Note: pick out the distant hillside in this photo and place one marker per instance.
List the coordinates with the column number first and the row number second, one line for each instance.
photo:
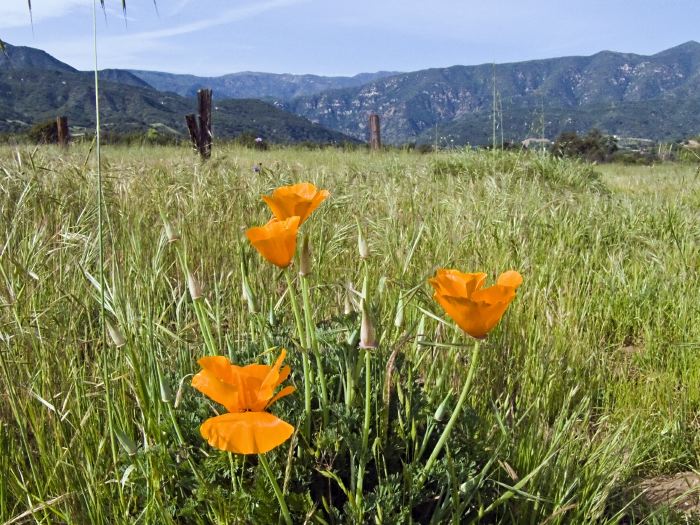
column 123, row 77
column 35, row 87
column 622, row 93
column 20, row 57
column 254, row 85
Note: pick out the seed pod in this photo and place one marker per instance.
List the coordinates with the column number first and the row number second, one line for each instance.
column 247, row 291
column 368, row 337
column 166, row 393
column 305, row 258
column 195, row 288
column 170, row 232
column 115, row 334
column 441, row 411
column 398, row 320
column 347, row 306
column 128, row 444
column 362, row 246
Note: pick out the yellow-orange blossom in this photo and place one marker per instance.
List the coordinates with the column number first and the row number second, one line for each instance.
column 296, row 200
column 246, row 392
column 475, row 309
column 291, row 206
column 276, row 241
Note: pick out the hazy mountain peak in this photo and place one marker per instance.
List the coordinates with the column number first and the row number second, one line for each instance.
column 21, row 57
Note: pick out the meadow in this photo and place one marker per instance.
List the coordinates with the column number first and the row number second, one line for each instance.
column 589, row 385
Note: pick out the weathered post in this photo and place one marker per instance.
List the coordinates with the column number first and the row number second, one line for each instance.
column 200, row 132
column 63, row 133
column 375, row 140
column 205, row 136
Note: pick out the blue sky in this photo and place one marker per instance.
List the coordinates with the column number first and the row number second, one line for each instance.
column 213, row 37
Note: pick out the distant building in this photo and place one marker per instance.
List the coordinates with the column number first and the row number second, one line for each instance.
column 535, row 143
column 635, row 144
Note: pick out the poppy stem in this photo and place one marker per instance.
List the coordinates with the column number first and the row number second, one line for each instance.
column 457, row 412
column 276, row 488
column 304, row 355
column 365, row 434
column 312, row 343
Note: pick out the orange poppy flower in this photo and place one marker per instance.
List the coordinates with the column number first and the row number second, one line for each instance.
column 296, row 200
column 246, row 392
column 476, row 310
column 276, row 241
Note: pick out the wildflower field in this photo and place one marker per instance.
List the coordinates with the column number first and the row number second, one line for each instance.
column 459, row 337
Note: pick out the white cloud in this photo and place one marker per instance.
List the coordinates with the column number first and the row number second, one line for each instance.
column 15, row 13
column 130, row 49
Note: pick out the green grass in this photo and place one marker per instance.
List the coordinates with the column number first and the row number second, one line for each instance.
column 589, row 383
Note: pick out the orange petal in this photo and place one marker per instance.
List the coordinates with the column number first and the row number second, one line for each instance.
column 217, row 390
column 282, row 393
column 219, row 366
column 465, row 313
column 270, row 382
column 510, row 278
column 296, row 200
column 456, row 283
column 246, row 432
column 284, row 374
column 276, row 241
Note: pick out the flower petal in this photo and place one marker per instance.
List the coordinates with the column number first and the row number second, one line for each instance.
column 246, row 432
column 217, row 390
column 456, row 283
column 465, row 313
column 296, row 200
column 276, row 241
column 510, row 278
column 282, row 393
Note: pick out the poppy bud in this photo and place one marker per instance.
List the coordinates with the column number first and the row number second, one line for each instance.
column 347, row 307
column 362, row 245
column 115, row 334
column 128, row 444
column 180, row 392
column 170, row 232
column 368, row 337
column 195, row 288
column 166, row 393
column 441, row 411
column 305, row 258
column 247, row 291
column 398, row 320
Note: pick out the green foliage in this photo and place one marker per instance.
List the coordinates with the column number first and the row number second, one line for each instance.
column 43, row 133
column 589, row 383
column 594, row 146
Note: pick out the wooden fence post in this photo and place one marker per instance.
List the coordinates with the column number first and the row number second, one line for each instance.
column 375, row 140
column 205, row 137
column 200, row 132
column 63, row 131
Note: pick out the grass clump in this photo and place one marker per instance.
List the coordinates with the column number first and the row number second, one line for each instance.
column 588, row 384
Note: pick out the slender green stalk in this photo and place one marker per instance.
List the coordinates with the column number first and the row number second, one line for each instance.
column 456, row 414
column 365, row 434
column 278, row 492
column 312, row 342
column 304, row 355
column 100, row 242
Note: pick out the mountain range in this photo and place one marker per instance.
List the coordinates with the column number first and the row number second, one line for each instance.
column 35, row 87
column 626, row 94
column 250, row 84
column 620, row 93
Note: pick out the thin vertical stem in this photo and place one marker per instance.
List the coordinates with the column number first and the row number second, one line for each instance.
column 455, row 415
column 365, row 434
column 304, row 355
column 276, row 488
column 312, row 342
column 100, row 240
